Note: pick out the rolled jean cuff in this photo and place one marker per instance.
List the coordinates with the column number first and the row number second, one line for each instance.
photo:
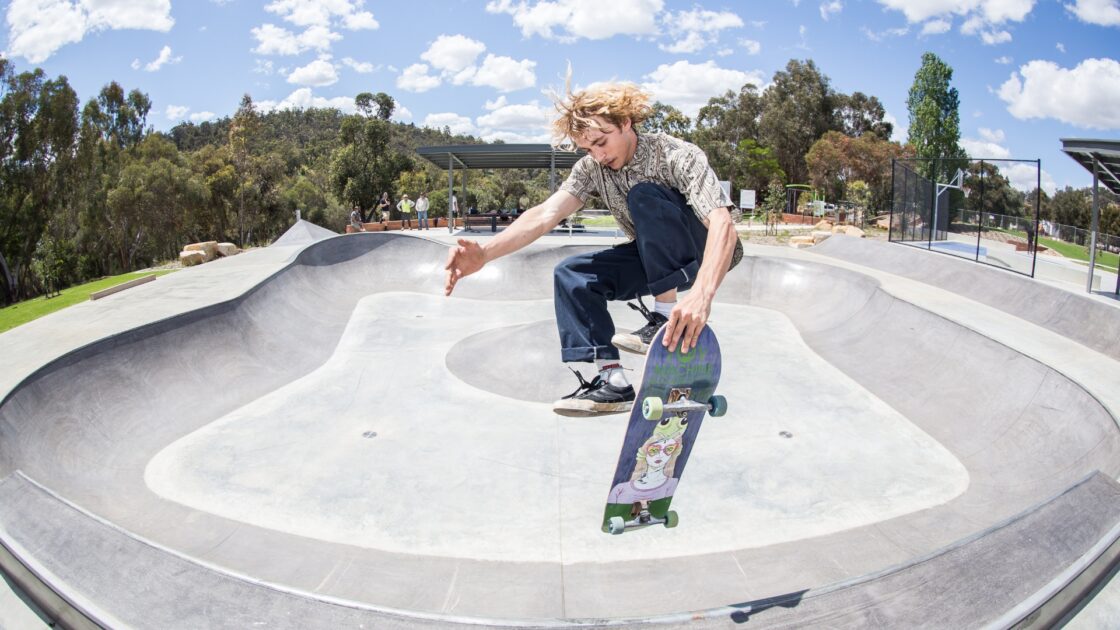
column 588, row 354
column 679, row 279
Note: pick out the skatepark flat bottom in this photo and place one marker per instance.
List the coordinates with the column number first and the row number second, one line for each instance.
column 340, row 443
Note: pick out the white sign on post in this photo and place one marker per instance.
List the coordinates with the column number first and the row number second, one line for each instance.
column 726, row 186
column 746, row 199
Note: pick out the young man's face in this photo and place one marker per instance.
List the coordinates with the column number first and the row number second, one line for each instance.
column 611, row 145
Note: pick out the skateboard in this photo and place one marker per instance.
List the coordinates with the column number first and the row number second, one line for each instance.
column 677, row 391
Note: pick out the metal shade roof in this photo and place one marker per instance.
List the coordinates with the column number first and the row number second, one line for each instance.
column 1105, row 152
column 471, row 156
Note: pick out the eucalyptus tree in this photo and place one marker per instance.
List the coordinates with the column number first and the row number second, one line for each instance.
column 38, row 127
column 797, row 109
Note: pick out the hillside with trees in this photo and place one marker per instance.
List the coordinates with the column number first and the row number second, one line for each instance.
column 90, row 189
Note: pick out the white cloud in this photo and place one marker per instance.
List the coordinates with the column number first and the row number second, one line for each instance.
column 936, row 27
column 513, row 137
column 992, row 11
column 878, row 36
column 263, row 66
column 458, row 124
column 978, row 149
column 203, row 116
column 362, row 67
column 725, row 52
column 898, row 130
column 690, row 43
column 1004, row 60
column 164, row 58
column 581, row 19
column 990, row 135
column 452, row 58
column 1099, row 12
column 1025, row 177
column 401, row 113
column 415, row 78
column 1084, row 96
column 37, row 28
column 303, row 99
column 753, row 47
column 992, row 38
column 453, row 53
column 694, row 30
column 505, row 73
column 688, row 86
column 497, row 103
column 1061, row 47
column 829, row 9
column 135, row 64
column 981, row 17
column 274, row 40
column 176, row 112
column 318, row 73
column 530, row 115
column 308, row 13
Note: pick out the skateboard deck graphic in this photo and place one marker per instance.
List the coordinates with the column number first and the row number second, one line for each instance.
column 678, row 390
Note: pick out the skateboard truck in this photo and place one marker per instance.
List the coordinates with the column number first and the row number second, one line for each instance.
column 654, row 408
column 641, row 518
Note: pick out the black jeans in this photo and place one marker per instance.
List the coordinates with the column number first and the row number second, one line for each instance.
column 665, row 255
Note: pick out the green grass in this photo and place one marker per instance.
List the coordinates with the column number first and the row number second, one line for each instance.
column 1069, row 250
column 607, row 221
column 22, row 312
column 1077, row 252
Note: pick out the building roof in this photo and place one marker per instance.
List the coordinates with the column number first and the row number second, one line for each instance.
column 1105, row 152
column 471, row 156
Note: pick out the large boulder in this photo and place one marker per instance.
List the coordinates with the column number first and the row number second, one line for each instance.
column 227, row 249
column 209, row 249
column 191, row 258
column 820, row 235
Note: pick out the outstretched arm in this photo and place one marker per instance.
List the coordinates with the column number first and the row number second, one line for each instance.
column 468, row 256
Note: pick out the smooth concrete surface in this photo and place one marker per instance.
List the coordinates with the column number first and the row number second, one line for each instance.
column 285, row 426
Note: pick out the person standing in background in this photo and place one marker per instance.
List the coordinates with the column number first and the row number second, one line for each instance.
column 422, row 211
column 383, row 206
column 405, row 206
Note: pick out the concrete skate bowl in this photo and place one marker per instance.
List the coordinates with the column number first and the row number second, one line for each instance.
column 259, row 461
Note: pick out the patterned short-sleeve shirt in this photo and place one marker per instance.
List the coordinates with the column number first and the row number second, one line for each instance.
column 659, row 159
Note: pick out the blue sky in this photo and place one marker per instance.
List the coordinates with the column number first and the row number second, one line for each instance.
column 1029, row 72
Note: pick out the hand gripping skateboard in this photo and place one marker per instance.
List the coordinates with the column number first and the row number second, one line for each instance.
column 677, row 390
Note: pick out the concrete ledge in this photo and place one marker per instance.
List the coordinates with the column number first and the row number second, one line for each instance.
column 97, row 295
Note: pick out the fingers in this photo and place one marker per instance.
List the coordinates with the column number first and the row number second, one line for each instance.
column 684, row 327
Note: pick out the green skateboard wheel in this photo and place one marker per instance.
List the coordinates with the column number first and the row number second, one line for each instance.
column 652, row 408
column 671, row 519
column 717, row 405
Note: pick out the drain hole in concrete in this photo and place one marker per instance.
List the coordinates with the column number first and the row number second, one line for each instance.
column 786, row 434
column 370, row 434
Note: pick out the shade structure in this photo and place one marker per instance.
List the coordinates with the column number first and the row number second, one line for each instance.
column 1102, row 159
column 474, row 156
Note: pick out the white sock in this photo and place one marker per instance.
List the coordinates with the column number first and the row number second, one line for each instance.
column 664, row 307
column 611, row 370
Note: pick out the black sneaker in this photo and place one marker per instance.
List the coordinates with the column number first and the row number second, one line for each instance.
column 595, row 398
column 638, row 341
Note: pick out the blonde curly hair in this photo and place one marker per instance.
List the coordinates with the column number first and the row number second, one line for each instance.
column 614, row 102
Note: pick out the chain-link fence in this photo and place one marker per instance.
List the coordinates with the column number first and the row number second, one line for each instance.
column 941, row 205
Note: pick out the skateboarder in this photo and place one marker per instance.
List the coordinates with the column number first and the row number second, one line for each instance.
column 669, row 203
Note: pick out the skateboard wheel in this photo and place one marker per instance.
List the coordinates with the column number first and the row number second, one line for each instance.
column 652, row 408
column 717, row 405
column 616, row 525
column 671, row 519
